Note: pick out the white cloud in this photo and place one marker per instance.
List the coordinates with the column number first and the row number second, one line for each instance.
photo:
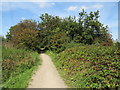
column 7, row 6
column 45, row 4
column 72, row 8
column 76, row 8
column 79, row 8
column 83, row 7
column 97, row 6
column 23, row 18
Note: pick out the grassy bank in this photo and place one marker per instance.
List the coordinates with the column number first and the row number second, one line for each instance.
column 18, row 66
column 89, row 66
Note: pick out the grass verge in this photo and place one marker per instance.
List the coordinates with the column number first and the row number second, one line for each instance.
column 53, row 56
column 18, row 66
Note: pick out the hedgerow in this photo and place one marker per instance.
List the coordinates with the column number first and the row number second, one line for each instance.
column 90, row 66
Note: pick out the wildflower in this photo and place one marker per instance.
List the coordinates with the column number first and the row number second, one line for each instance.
column 65, row 69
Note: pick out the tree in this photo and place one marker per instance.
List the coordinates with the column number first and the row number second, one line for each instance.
column 49, row 26
column 52, row 32
column 57, row 42
column 92, row 28
column 24, row 34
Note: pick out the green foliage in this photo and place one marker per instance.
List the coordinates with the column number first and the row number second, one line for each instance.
column 19, row 81
column 1, row 38
column 57, row 42
column 91, row 28
column 81, row 64
column 89, row 66
column 33, row 35
column 17, row 63
column 117, row 44
column 72, row 44
column 24, row 35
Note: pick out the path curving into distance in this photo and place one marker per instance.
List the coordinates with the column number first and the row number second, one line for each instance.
column 47, row 75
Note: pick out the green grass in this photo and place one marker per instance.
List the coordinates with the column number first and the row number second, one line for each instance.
column 18, row 66
column 21, row 80
column 89, row 66
column 54, row 56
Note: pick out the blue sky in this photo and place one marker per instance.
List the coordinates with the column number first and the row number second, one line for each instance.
column 14, row 12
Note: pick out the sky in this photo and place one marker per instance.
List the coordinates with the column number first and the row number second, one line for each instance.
column 13, row 12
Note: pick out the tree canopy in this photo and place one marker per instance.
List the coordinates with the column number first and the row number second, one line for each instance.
column 53, row 32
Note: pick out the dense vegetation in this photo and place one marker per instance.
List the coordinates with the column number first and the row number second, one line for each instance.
column 17, row 67
column 53, row 32
column 89, row 66
column 84, row 52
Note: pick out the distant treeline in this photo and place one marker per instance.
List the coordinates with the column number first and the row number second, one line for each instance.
column 54, row 32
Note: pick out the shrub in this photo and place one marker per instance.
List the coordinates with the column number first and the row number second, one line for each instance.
column 15, row 62
column 90, row 66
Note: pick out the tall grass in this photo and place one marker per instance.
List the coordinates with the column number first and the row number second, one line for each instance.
column 17, row 67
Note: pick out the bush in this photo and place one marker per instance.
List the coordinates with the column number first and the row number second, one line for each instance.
column 117, row 44
column 57, row 42
column 15, row 62
column 90, row 66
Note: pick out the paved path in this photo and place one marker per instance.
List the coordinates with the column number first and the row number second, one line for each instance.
column 46, row 76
